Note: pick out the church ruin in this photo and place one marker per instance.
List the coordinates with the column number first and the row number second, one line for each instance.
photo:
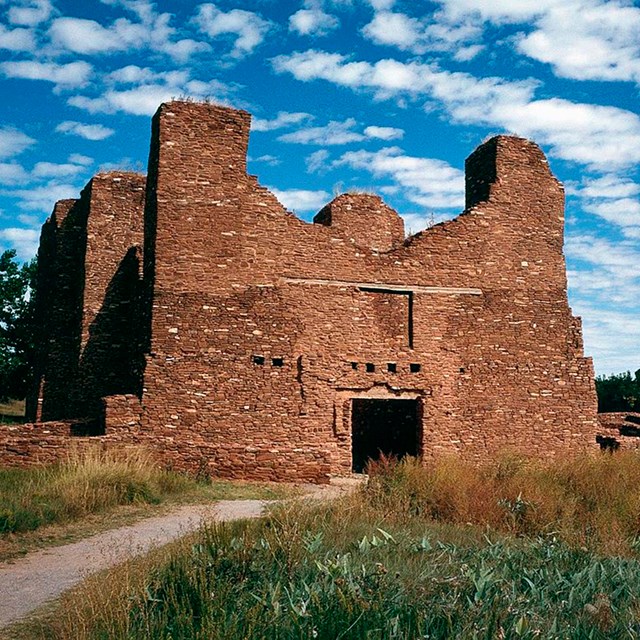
column 192, row 312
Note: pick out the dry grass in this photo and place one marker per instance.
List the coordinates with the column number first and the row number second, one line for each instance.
column 591, row 501
column 94, row 481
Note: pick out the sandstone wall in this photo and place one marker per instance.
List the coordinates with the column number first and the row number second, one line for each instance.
column 259, row 330
column 263, row 328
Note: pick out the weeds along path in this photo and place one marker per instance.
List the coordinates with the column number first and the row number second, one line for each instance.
column 30, row 582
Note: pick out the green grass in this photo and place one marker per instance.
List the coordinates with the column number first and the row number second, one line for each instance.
column 395, row 560
column 95, row 481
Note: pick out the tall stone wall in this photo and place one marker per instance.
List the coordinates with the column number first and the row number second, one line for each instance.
column 259, row 330
column 264, row 328
column 88, row 299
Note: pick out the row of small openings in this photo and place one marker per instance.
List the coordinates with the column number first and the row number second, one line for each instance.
column 260, row 360
column 392, row 367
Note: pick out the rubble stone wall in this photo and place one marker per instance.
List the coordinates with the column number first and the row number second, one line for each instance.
column 259, row 329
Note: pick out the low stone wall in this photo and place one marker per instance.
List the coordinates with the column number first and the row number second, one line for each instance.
column 622, row 426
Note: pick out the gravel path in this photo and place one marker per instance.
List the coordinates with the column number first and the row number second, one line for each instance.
column 28, row 583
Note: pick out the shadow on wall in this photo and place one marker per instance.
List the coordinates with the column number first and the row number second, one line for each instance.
column 112, row 361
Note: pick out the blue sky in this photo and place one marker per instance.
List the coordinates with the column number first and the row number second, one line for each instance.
column 383, row 95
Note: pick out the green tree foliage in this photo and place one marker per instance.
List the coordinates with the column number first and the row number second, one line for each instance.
column 17, row 333
column 619, row 392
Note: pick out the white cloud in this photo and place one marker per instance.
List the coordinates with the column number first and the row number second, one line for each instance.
column 78, row 158
column 53, row 170
column 12, row 173
column 30, row 13
column 145, row 99
column 601, row 44
column 433, row 33
column 336, row 133
column 312, row 22
column 272, row 161
column 44, row 197
column 609, row 186
column 87, row 131
column 24, row 241
column 282, row 120
column 317, row 161
column 13, row 142
column 249, row 28
column 395, row 29
column 151, row 30
column 17, row 39
column 88, row 36
column 331, row 134
column 594, row 135
column 384, row 133
column 301, row 199
column 431, row 183
column 72, row 74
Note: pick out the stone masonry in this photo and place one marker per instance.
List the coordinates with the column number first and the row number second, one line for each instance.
column 193, row 313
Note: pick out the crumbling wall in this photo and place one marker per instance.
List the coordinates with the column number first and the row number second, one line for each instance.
column 259, row 329
column 470, row 316
column 88, row 302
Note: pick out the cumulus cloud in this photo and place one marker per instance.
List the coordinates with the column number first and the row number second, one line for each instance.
column 87, row 131
column 43, row 198
column 72, row 74
column 594, row 135
column 248, row 28
column 337, row 133
column 53, row 170
column 384, row 133
column 24, row 241
column 317, row 161
column 419, row 35
column 283, row 119
column 30, row 13
column 431, row 183
column 78, row 158
column 301, row 199
column 601, row 44
column 12, row 173
column 150, row 30
column 13, row 142
column 312, row 22
column 88, row 36
column 144, row 99
column 17, row 39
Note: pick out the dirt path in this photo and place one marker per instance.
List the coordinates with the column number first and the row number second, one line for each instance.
column 30, row 582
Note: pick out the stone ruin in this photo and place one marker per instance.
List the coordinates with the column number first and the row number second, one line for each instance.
column 191, row 312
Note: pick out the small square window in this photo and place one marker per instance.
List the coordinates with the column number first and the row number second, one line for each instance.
column 461, row 369
column 414, row 367
column 257, row 359
column 277, row 362
column 354, row 366
column 370, row 367
column 392, row 367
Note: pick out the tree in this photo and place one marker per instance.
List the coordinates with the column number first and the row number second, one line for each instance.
column 17, row 330
column 619, row 392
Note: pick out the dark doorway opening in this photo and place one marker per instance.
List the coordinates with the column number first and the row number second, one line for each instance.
column 388, row 427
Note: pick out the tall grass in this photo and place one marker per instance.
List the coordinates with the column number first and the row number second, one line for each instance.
column 88, row 481
column 591, row 501
column 398, row 559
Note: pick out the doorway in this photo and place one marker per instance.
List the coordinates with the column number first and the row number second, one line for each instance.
column 390, row 427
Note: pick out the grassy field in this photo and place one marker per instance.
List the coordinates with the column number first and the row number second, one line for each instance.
column 12, row 411
column 95, row 488
column 515, row 549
